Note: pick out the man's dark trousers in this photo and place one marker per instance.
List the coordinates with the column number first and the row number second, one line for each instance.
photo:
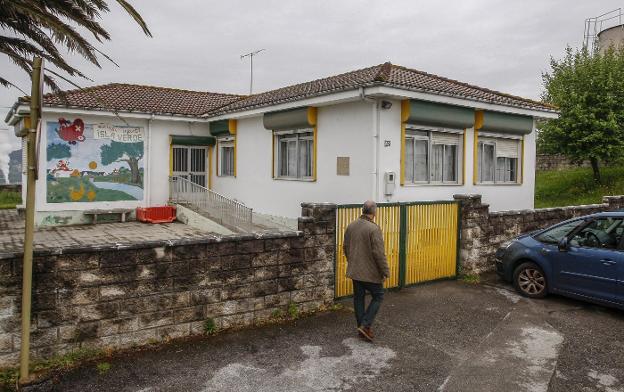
column 366, row 316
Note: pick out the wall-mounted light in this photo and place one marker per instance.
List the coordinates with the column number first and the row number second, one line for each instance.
column 386, row 105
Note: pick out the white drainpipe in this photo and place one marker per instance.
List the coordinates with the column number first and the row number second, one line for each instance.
column 375, row 150
column 148, row 177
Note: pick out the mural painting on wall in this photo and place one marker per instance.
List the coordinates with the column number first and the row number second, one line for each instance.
column 93, row 162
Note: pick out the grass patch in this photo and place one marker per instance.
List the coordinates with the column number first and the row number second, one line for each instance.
column 471, row 278
column 570, row 187
column 9, row 199
column 9, row 376
column 277, row 314
column 103, row 367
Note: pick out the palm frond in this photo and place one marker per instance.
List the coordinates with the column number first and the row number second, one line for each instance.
column 39, row 27
column 135, row 15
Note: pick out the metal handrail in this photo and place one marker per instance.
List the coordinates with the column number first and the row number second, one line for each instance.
column 223, row 210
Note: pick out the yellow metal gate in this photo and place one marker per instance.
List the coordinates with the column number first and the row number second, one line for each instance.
column 421, row 240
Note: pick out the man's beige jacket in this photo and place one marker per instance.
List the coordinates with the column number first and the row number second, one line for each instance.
column 364, row 248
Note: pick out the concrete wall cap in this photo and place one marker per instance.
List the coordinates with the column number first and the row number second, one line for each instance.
column 319, row 205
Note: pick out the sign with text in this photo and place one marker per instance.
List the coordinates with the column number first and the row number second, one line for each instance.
column 117, row 133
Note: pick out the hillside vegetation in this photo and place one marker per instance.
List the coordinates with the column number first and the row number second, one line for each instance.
column 9, row 199
column 576, row 186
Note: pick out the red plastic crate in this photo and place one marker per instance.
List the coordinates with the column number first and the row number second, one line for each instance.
column 161, row 214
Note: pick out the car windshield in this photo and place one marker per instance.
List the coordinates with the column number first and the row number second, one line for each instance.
column 555, row 234
column 601, row 233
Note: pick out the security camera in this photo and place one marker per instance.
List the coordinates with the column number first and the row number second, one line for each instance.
column 386, row 105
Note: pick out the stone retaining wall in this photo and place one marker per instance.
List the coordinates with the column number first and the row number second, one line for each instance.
column 121, row 297
column 556, row 162
column 484, row 231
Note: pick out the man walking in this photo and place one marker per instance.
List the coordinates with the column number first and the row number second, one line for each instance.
column 366, row 266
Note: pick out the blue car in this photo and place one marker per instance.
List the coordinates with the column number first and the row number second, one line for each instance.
column 581, row 258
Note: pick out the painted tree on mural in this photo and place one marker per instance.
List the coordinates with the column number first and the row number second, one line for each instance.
column 58, row 151
column 131, row 153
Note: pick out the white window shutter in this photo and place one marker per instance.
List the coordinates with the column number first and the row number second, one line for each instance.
column 507, row 148
column 445, row 138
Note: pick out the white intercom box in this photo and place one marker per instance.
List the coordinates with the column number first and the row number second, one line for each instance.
column 389, row 183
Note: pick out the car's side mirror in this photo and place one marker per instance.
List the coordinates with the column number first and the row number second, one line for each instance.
column 563, row 244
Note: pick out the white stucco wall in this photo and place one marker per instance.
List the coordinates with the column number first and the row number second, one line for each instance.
column 344, row 130
column 499, row 196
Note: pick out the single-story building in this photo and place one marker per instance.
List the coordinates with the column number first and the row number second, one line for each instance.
column 386, row 132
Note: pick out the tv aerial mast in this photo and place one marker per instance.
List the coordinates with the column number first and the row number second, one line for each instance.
column 251, row 56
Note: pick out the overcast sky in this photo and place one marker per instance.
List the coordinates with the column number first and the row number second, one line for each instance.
column 503, row 45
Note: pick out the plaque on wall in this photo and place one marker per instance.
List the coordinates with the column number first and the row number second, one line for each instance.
column 342, row 166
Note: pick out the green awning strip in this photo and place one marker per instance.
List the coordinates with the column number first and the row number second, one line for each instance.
column 287, row 119
column 185, row 140
column 440, row 115
column 506, row 123
column 219, row 128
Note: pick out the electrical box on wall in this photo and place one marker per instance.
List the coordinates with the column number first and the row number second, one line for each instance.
column 389, row 183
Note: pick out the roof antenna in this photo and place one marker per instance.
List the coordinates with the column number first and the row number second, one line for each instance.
column 251, row 56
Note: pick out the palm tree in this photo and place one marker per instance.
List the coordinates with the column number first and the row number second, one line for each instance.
column 31, row 28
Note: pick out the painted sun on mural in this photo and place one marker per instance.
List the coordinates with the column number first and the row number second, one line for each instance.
column 93, row 162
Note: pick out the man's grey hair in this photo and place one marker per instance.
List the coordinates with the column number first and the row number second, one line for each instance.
column 369, row 207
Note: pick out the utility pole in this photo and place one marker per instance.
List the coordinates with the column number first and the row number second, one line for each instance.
column 31, row 151
column 251, row 56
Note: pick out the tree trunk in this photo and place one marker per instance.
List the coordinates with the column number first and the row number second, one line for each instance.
column 596, row 169
column 135, row 175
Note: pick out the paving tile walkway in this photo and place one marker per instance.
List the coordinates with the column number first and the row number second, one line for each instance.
column 12, row 234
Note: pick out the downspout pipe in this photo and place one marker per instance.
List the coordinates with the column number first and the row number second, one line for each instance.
column 150, row 151
column 376, row 130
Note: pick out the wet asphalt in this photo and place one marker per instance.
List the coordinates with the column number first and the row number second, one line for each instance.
column 443, row 336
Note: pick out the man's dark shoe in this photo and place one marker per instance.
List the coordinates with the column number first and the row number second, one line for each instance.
column 366, row 332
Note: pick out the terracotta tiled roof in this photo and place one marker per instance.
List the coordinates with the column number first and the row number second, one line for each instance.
column 386, row 74
column 170, row 101
column 143, row 99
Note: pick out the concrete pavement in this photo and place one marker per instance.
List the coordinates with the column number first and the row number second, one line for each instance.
column 445, row 336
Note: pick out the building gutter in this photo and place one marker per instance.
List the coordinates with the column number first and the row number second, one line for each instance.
column 330, row 98
column 21, row 110
column 397, row 93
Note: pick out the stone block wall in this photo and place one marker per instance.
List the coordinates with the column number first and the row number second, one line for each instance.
column 122, row 297
column 556, row 162
column 483, row 231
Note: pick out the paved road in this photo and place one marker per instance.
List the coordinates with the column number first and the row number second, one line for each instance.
column 447, row 336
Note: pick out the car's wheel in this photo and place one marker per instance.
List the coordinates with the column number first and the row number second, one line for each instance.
column 530, row 281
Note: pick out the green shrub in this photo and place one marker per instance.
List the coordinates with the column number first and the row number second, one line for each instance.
column 210, row 326
column 103, row 367
column 471, row 278
column 293, row 310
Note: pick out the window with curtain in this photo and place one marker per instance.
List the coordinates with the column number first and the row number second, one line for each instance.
column 432, row 157
column 295, row 155
column 499, row 160
column 226, row 158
